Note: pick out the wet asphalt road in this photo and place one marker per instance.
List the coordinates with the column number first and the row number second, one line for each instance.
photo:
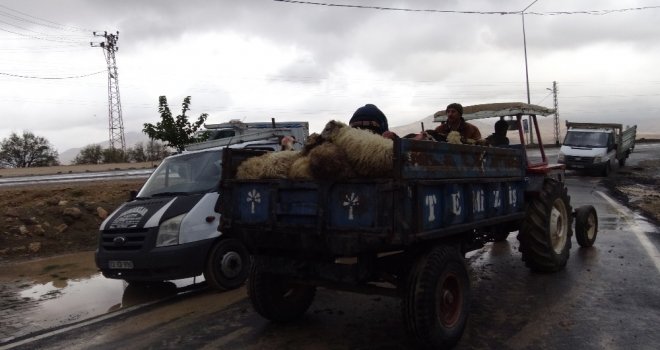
column 608, row 297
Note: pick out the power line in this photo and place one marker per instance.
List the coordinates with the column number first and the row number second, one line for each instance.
column 52, row 78
column 550, row 13
column 61, row 26
column 41, row 38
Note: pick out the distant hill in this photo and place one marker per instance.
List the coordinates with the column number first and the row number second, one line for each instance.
column 130, row 137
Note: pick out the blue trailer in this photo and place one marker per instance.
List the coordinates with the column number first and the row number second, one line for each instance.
column 405, row 235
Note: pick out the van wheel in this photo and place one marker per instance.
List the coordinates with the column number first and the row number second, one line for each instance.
column 228, row 264
column 545, row 234
column 586, row 225
column 436, row 299
column 607, row 169
column 274, row 297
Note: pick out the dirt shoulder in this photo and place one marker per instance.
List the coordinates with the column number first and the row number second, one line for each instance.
column 638, row 187
column 49, row 219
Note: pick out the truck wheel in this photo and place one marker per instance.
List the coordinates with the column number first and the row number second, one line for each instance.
column 545, row 234
column 436, row 298
column 275, row 298
column 228, row 264
column 586, row 225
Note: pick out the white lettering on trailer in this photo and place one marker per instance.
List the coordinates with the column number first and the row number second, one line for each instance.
column 351, row 201
column 497, row 201
column 478, row 199
column 253, row 197
column 431, row 201
column 456, row 203
column 513, row 196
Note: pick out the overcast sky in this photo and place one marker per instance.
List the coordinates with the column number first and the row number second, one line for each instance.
column 258, row 59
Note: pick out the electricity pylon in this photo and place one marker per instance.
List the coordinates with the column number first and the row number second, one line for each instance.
column 115, row 122
column 554, row 93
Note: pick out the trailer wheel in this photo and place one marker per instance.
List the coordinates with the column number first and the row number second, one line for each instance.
column 275, row 298
column 500, row 236
column 436, row 299
column 586, row 225
column 545, row 234
column 228, row 264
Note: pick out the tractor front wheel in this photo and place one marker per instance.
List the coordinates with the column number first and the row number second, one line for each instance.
column 545, row 234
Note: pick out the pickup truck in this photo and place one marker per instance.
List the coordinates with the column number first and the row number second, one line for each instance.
column 596, row 146
column 405, row 235
column 168, row 230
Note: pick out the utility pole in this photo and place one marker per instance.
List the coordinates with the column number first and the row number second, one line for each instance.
column 115, row 122
column 522, row 13
column 554, row 93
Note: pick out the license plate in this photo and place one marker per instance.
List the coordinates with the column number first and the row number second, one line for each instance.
column 120, row 264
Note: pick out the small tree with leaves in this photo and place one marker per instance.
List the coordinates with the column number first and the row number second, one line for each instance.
column 114, row 155
column 90, row 154
column 176, row 132
column 27, row 150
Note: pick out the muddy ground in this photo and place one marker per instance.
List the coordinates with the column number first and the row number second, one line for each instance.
column 50, row 219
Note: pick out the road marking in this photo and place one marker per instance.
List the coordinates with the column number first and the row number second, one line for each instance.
column 77, row 325
column 643, row 240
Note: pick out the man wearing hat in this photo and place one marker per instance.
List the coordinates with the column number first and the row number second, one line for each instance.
column 455, row 122
column 371, row 118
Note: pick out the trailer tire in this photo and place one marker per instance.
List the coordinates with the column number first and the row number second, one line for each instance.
column 436, row 299
column 274, row 297
column 545, row 234
column 586, row 225
column 500, row 236
column 228, row 264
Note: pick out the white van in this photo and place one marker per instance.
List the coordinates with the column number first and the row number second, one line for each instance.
column 169, row 230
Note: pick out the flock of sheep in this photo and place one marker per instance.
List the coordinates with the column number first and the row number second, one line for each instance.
column 339, row 152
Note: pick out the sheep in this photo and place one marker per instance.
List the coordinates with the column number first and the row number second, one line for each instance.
column 272, row 165
column 300, row 169
column 313, row 140
column 329, row 162
column 454, row 137
column 370, row 155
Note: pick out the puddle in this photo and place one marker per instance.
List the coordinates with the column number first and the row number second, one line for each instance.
column 47, row 293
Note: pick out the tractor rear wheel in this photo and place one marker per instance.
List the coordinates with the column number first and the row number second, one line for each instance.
column 545, row 234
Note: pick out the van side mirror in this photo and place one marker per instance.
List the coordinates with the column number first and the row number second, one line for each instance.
column 132, row 194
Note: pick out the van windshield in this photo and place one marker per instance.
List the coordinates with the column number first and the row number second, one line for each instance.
column 585, row 139
column 184, row 174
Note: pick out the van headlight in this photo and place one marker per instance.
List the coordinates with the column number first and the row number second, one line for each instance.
column 168, row 231
column 598, row 159
column 561, row 157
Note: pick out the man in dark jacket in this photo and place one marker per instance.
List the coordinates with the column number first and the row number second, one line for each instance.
column 455, row 122
column 371, row 118
column 498, row 138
